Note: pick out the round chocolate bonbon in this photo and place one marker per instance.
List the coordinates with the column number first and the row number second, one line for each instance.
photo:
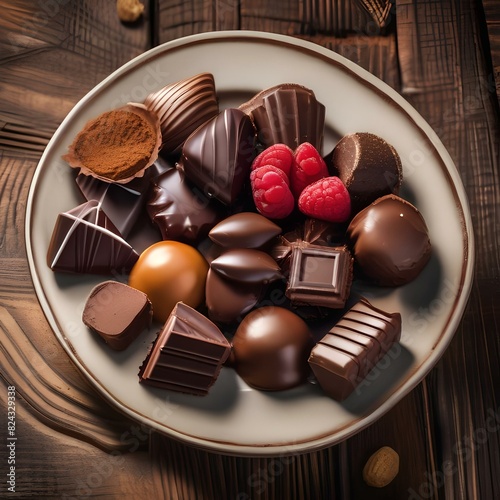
column 390, row 241
column 270, row 349
column 169, row 272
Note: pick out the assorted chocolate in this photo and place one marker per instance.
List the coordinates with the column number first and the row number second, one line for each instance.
column 187, row 355
column 221, row 264
column 347, row 353
column 85, row 241
column 390, row 241
column 118, row 313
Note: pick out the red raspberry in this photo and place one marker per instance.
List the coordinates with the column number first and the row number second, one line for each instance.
column 271, row 193
column 278, row 155
column 309, row 167
column 326, row 199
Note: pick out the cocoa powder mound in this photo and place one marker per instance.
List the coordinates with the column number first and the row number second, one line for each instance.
column 115, row 145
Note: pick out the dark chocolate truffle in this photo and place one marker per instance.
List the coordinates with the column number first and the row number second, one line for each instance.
column 187, row 355
column 347, row 353
column 368, row 166
column 218, row 155
column 270, row 349
column 118, row 313
column 390, row 241
column 287, row 114
column 84, row 240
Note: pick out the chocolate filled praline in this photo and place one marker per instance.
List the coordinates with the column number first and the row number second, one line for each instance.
column 390, row 241
column 270, row 349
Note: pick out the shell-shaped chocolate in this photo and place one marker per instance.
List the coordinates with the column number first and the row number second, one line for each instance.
column 84, row 240
column 217, row 156
column 182, row 107
column 244, row 230
column 247, row 265
column 288, row 114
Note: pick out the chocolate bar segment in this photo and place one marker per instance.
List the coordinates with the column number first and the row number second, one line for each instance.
column 320, row 276
column 187, row 355
column 347, row 353
column 84, row 240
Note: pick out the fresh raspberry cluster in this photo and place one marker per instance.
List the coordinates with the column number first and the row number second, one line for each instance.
column 281, row 177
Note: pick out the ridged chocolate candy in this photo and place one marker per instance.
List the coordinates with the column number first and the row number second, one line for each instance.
column 390, row 241
column 182, row 107
column 187, row 355
column 347, row 353
column 289, row 114
column 84, row 240
column 218, row 155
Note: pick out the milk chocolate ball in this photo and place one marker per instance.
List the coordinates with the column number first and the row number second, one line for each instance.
column 169, row 272
column 270, row 349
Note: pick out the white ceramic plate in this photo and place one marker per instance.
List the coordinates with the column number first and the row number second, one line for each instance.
column 234, row 418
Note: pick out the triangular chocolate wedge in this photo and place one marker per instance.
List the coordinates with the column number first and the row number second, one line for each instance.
column 187, row 355
column 84, row 240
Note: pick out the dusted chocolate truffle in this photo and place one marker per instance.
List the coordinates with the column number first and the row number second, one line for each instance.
column 180, row 209
column 187, row 355
column 118, row 145
column 368, row 166
column 217, row 156
column 390, row 241
column 84, row 240
column 118, row 313
column 244, row 230
column 287, row 114
column 182, row 107
column 347, row 353
column 270, row 349
column 170, row 272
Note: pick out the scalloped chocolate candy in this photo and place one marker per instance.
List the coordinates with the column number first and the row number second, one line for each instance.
column 84, row 240
column 288, row 114
column 218, row 155
column 247, row 265
column 244, row 230
column 182, row 107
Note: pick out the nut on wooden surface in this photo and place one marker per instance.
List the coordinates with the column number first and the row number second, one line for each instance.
column 129, row 10
column 381, row 468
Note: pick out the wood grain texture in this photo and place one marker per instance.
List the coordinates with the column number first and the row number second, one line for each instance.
column 443, row 57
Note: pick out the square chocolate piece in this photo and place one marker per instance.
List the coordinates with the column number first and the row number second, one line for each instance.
column 320, row 275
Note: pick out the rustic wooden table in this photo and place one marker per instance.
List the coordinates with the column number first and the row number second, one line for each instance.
column 443, row 56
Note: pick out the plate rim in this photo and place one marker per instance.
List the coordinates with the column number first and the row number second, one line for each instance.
column 401, row 389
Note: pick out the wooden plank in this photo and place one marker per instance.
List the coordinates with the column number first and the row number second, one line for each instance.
column 492, row 20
